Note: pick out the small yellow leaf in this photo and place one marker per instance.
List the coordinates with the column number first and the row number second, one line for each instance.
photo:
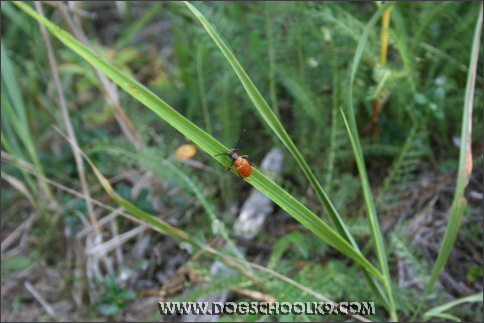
column 186, row 151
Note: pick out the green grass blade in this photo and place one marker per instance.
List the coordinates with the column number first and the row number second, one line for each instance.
column 16, row 18
column 201, row 86
column 438, row 311
column 16, row 121
column 356, row 145
column 384, row 296
column 138, row 25
column 144, row 216
column 9, row 139
column 271, row 119
column 271, row 56
column 465, row 168
column 206, row 142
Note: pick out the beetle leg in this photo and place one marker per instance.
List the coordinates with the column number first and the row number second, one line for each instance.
column 252, row 164
column 228, row 167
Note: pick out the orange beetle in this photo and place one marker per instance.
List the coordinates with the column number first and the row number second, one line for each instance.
column 242, row 166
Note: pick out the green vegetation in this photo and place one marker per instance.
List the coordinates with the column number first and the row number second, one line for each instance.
column 111, row 113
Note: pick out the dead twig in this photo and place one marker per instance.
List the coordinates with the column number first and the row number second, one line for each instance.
column 41, row 300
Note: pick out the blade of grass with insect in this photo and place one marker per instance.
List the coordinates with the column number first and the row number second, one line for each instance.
column 459, row 202
column 271, row 119
column 205, row 142
column 357, row 151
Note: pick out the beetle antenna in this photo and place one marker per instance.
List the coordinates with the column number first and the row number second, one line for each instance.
column 243, row 131
column 220, row 154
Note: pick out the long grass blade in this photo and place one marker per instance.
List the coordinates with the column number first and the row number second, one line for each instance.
column 356, row 145
column 459, row 202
